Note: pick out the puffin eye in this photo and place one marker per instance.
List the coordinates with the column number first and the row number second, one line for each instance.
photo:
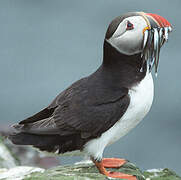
column 129, row 26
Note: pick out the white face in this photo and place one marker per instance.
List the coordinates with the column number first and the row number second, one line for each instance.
column 128, row 37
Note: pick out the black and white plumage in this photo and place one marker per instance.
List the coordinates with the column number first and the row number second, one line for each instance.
column 99, row 109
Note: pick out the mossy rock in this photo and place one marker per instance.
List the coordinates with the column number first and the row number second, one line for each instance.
column 84, row 171
column 161, row 174
column 90, row 172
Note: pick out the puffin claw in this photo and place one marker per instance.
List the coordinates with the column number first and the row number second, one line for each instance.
column 121, row 175
column 112, row 163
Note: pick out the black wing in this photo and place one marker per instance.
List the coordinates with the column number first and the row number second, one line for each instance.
column 86, row 107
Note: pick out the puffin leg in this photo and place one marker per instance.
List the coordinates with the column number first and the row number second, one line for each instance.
column 113, row 162
column 102, row 170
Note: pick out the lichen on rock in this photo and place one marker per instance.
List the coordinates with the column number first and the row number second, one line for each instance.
column 90, row 172
column 10, row 170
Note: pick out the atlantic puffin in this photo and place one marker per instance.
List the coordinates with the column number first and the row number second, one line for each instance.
column 99, row 109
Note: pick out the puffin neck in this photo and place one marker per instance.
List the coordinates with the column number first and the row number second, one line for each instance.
column 112, row 57
column 122, row 68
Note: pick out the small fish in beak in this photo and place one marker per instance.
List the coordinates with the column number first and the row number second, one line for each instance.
column 155, row 35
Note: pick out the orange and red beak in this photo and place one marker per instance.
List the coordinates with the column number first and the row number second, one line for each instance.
column 161, row 21
column 155, row 34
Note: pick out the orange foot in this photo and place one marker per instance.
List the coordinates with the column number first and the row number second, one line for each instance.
column 112, row 163
column 121, row 175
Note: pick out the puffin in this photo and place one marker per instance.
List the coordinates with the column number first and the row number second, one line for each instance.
column 99, row 109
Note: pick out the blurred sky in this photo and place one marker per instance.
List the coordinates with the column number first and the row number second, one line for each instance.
column 47, row 45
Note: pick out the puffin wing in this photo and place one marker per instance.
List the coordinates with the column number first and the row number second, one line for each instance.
column 79, row 109
column 82, row 112
column 91, row 120
column 44, row 126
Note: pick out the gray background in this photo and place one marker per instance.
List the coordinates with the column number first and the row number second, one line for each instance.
column 47, row 45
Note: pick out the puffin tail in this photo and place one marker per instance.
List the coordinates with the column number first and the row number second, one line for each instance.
column 49, row 143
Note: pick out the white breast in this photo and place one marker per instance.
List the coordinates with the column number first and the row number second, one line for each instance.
column 141, row 97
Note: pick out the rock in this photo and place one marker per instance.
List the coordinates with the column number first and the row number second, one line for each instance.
column 161, row 174
column 18, row 173
column 27, row 156
column 82, row 172
column 7, row 159
column 10, row 170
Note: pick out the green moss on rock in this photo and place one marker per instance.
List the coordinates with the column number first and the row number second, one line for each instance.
column 161, row 174
column 90, row 172
column 10, row 170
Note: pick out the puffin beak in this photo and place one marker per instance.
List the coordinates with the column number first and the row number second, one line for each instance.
column 155, row 35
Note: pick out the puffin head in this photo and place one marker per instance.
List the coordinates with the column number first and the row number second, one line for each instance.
column 139, row 33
